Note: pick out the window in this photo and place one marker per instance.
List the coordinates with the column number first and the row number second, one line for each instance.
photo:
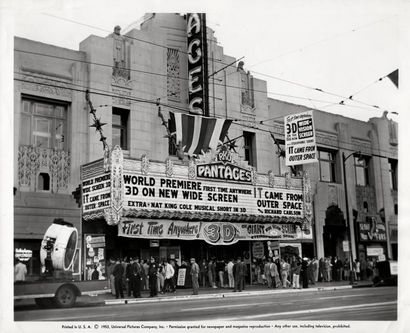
column 327, row 166
column 249, row 147
column 43, row 124
column 120, row 128
column 43, row 182
column 393, row 174
column 361, row 166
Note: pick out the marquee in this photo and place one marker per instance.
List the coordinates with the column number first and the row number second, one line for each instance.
column 156, row 190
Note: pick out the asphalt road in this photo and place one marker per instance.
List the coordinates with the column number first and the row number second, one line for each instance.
column 346, row 304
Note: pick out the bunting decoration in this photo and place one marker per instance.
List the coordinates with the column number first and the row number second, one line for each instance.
column 394, row 77
column 196, row 134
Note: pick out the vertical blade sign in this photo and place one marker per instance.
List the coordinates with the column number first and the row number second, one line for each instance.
column 197, row 64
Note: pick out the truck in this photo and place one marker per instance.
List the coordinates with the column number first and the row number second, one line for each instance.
column 56, row 285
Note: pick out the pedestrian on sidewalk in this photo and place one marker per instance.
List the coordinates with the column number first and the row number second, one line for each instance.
column 176, row 268
column 274, row 275
column 169, row 274
column 152, row 276
column 146, row 269
column 284, row 272
column 95, row 274
column 20, row 271
column 118, row 273
column 161, row 278
column 296, row 274
column 311, row 275
column 136, row 272
column 229, row 267
column 124, row 263
column 322, row 269
column 357, row 270
column 211, row 274
column 111, row 278
column 128, row 276
column 268, row 273
column 238, row 273
column 315, row 269
column 203, row 269
column 327, row 270
column 220, row 267
column 194, row 276
column 346, row 266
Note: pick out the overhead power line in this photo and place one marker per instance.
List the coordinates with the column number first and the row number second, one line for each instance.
column 337, row 35
column 165, row 75
column 288, row 81
column 101, row 92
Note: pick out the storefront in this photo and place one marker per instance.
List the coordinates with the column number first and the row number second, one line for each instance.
column 215, row 207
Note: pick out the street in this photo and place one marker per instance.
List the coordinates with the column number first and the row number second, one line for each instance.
column 344, row 304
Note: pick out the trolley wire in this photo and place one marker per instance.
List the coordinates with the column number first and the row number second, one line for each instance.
column 157, row 103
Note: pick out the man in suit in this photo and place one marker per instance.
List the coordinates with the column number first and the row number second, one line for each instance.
column 152, row 276
column 238, row 272
column 118, row 273
column 136, row 272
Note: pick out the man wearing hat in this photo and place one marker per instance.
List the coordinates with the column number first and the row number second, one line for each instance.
column 152, row 274
column 136, row 271
column 194, row 275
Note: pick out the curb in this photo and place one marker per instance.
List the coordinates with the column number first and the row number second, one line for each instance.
column 220, row 295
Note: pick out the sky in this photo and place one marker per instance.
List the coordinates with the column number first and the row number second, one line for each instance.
column 340, row 47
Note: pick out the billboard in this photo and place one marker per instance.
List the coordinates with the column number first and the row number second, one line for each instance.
column 300, row 140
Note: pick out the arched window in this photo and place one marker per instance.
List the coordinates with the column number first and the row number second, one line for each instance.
column 43, row 183
column 365, row 207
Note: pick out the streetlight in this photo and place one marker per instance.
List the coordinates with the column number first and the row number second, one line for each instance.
column 347, row 213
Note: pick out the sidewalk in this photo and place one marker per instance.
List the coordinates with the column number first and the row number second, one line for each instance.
column 204, row 293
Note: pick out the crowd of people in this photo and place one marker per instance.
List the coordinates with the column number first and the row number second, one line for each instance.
column 132, row 275
column 300, row 272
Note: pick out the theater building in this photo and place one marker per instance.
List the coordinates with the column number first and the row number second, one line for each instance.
column 371, row 160
column 141, row 198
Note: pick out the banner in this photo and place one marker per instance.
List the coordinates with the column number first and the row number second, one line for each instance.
column 300, row 139
column 215, row 233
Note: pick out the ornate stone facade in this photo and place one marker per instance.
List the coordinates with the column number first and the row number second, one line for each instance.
column 46, row 85
column 122, row 96
column 173, row 75
column 34, row 160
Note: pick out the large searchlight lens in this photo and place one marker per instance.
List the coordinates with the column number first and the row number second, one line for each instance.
column 59, row 244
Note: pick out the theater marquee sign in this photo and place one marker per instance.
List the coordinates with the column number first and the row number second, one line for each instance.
column 218, row 187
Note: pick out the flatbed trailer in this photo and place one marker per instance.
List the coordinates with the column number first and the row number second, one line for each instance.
column 61, row 293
